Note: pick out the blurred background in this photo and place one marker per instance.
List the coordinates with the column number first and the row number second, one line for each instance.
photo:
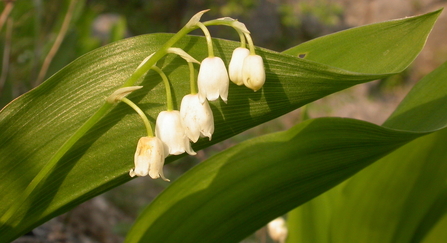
column 39, row 37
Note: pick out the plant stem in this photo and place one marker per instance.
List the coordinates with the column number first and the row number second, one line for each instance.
column 169, row 102
column 209, row 41
column 192, row 78
column 6, row 53
column 143, row 116
column 5, row 13
column 241, row 37
column 250, row 44
column 57, row 43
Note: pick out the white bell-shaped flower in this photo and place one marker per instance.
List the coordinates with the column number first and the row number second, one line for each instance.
column 277, row 230
column 213, row 80
column 149, row 158
column 253, row 73
column 236, row 63
column 170, row 130
column 197, row 117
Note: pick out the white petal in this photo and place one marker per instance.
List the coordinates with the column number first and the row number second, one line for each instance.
column 253, row 72
column 197, row 118
column 149, row 158
column 170, row 130
column 236, row 63
column 277, row 230
column 213, row 79
column 156, row 164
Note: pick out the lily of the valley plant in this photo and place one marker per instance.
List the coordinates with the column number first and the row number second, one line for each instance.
column 174, row 130
column 80, row 117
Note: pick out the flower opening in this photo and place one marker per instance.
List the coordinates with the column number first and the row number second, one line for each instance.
column 236, row 65
column 170, row 130
column 213, row 80
column 197, row 118
column 149, row 158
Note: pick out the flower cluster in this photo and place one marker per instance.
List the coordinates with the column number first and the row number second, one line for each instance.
column 176, row 129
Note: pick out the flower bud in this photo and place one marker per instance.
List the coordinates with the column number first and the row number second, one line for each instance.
column 170, row 130
column 213, row 80
column 149, row 158
column 253, row 73
column 236, row 64
column 197, row 118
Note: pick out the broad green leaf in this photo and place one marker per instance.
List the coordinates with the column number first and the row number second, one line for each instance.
column 398, row 207
column 237, row 191
column 310, row 221
column 36, row 124
column 349, row 49
column 404, row 187
column 412, row 114
column 401, row 190
column 438, row 232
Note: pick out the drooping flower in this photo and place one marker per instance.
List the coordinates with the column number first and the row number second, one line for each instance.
column 213, row 80
column 197, row 117
column 236, row 64
column 149, row 158
column 277, row 230
column 170, row 130
column 253, row 73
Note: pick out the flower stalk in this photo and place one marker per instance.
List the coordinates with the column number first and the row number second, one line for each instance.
column 169, row 102
column 209, row 41
column 143, row 116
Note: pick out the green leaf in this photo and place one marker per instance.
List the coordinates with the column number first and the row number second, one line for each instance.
column 398, row 206
column 406, row 190
column 35, row 125
column 438, row 232
column 350, row 50
column 232, row 194
column 412, row 114
column 401, row 189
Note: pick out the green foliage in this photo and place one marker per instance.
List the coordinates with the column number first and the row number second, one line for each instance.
column 237, row 191
column 401, row 196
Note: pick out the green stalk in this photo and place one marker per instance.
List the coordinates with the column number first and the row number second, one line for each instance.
column 241, row 37
column 143, row 116
column 169, row 102
column 209, row 41
column 192, row 78
column 250, row 44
